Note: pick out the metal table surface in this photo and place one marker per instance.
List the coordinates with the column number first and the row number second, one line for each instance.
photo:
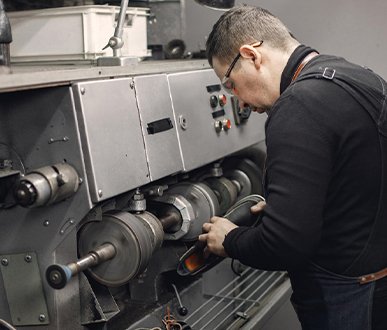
column 37, row 76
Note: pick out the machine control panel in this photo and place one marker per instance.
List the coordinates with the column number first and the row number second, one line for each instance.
column 218, row 102
column 209, row 129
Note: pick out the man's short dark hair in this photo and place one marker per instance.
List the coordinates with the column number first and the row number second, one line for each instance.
column 242, row 25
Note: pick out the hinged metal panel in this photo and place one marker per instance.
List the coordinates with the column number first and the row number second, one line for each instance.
column 111, row 137
column 23, row 286
column 200, row 142
column 154, row 103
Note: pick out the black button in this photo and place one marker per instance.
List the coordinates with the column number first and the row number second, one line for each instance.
column 213, row 101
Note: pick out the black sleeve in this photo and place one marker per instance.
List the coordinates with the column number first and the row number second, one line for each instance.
column 298, row 166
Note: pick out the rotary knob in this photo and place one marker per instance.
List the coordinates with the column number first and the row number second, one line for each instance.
column 26, row 194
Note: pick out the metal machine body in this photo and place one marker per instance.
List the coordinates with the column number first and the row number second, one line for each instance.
column 105, row 181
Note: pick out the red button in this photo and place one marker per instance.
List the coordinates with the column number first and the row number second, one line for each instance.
column 222, row 100
column 226, row 124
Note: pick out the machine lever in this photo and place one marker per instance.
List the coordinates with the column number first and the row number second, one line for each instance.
column 182, row 310
column 59, row 275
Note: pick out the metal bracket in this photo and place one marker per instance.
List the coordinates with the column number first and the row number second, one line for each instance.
column 24, row 289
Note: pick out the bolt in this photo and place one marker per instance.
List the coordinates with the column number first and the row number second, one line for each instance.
column 183, row 122
column 83, row 91
column 80, row 180
column 42, row 317
column 4, row 262
column 138, row 197
column 28, row 258
column 46, row 223
column 242, row 315
column 55, row 277
column 100, row 193
column 160, row 191
column 157, row 191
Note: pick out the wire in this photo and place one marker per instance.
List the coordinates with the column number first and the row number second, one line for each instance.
column 6, row 325
column 170, row 321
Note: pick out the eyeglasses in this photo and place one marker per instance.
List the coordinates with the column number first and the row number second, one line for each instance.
column 227, row 84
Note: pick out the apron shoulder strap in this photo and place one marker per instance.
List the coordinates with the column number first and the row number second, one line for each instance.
column 372, row 99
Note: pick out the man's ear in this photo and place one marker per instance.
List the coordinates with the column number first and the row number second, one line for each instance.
column 250, row 52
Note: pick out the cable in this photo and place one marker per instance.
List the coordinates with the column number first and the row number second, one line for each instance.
column 6, row 325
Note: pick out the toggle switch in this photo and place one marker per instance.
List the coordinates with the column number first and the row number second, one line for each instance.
column 218, row 126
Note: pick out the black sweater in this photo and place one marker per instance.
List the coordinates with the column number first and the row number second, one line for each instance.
column 323, row 174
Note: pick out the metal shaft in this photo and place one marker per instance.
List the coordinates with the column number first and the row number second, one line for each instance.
column 93, row 258
column 121, row 19
column 170, row 220
column 59, row 275
column 120, row 25
column 5, row 37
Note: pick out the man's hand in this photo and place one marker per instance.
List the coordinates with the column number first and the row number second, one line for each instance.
column 257, row 208
column 215, row 232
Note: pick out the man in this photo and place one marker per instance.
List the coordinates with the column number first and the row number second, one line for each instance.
column 325, row 218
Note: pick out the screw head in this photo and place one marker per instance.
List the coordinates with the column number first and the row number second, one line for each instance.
column 183, row 122
column 28, row 258
column 83, row 91
column 4, row 262
column 100, row 193
column 42, row 317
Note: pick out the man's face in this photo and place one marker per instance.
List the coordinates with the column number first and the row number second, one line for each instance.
column 245, row 81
